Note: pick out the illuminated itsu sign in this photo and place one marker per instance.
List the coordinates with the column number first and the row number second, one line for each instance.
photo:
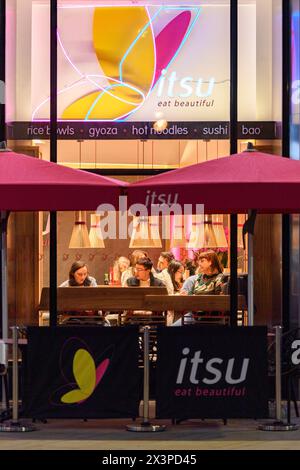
column 183, row 87
column 134, row 63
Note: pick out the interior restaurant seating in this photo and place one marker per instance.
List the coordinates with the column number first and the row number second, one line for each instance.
column 149, row 304
column 195, row 303
column 76, row 305
column 94, row 304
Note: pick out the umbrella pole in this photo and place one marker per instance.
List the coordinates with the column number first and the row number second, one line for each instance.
column 250, row 281
column 4, row 219
column 4, row 301
column 248, row 228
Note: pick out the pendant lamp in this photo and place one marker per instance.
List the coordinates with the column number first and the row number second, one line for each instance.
column 178, row 238
column 218, row 227
column 202, row 235
column 196, row 239
column 47, row 228
column 80, row 236
column 141, row 233
column 95, row 235
column 154, row 230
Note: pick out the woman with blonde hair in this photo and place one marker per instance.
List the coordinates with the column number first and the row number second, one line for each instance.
column 120, row 265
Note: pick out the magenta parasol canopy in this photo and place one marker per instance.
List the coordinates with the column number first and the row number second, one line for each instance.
column 30, row 184
column 234, row 184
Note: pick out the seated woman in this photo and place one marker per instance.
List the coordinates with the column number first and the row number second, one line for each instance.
column 78, row 276
column 207, row 282
column 176, row 272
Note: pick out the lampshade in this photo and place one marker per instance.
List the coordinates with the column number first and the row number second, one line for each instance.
column 141, row 234
column 80, row 236
column 202, row 234
column 95, row 234
column 47, row 228
column 196, row 239
column 178, row 238
column 217, row 223
column 154, row 230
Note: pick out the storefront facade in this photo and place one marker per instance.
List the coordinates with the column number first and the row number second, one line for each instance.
column 124, row 70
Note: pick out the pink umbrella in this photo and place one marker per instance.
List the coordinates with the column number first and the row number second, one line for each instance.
column 249, row 180
column 30, row 184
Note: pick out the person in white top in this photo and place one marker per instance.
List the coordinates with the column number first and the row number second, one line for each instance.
column 165, row 258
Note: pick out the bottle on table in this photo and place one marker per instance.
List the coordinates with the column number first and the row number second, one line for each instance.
column 111, row 275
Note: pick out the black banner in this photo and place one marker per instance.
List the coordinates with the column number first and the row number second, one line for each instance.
column 212, row 372
column 69, row 130
column 82, row 372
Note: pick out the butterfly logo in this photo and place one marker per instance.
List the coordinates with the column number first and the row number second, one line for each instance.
column 84, row 376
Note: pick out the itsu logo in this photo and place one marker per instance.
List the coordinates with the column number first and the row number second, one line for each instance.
column 211, row 371
column 296, row 354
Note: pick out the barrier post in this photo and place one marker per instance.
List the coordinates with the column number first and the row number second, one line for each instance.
column 278, row 424
column 145, row 425
column 15, row 425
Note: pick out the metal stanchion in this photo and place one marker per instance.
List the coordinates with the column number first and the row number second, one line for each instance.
column 145, row 425
column 15, row 425
column 278, row 424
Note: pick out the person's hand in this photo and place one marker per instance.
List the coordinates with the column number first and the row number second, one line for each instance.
column 183, row 292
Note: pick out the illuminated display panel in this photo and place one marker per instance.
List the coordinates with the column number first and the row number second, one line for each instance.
column 125, row 70
column 137, row 63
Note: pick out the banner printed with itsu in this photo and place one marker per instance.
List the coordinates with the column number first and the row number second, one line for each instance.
column 82, row 372
column 212, row 372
